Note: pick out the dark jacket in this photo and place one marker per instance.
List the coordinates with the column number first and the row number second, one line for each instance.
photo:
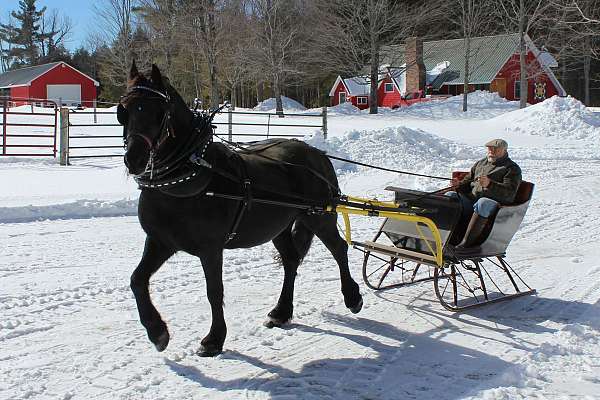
column 505, row 176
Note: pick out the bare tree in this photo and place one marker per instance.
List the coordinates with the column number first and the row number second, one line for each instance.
column 275, row 46
column 473, row 20
column 162, row 19
column 116, row 33
column 235, row 40
column 56, row 30
column 6, row 44
column 202, row 29
column 577, row 23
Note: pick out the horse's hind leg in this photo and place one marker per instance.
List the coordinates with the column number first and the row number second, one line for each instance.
column 325, row 227
column 290, row 258
column 154, row 256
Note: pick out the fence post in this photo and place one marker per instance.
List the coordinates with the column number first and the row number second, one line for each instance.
column 4, row 111
column 230, row 125
column 64, row 136
column 324, row 122
column 95, row 120
column 4, row 106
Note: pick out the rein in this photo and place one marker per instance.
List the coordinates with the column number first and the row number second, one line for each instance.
column 388, row 169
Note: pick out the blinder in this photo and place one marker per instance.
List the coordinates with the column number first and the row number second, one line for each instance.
column 122, row 115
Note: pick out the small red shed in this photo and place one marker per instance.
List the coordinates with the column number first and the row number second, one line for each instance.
column 351, row 90
column 57, row 81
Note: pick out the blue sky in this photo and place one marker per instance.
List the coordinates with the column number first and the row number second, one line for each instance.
column 80, row 12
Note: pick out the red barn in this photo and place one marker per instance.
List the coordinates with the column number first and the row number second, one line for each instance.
column 437, row 67
column 56, row 81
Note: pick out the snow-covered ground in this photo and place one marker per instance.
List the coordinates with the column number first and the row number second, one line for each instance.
column 70, row 239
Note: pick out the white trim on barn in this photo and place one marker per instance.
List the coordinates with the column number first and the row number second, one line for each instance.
column 335, row 85
column 536, row 52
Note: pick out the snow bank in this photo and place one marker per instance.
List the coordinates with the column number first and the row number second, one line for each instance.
column 561, row 117
column 481, row 105
column 394, row 147
column 482, row 98
column 75, row 210
column 344, row 109
column 288, row 104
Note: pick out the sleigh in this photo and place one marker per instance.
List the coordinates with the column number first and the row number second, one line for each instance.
column 419, row 245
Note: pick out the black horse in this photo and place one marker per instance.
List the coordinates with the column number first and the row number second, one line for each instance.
column 201, row 197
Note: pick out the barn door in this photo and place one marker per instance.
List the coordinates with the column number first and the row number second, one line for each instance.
column 342, row 97
column 498, row 85
column 70, row 95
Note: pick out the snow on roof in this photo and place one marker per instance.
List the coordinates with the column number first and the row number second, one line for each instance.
column 547, row 60
column 357, row 86
column 436, row 71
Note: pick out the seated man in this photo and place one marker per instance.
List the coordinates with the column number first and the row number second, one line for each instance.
column 493, row 180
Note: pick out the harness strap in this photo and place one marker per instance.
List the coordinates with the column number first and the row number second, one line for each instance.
column 245, row 203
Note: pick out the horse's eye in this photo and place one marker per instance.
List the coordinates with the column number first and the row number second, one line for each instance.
column 139, row 108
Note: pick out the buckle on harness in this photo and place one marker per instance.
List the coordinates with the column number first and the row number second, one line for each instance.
column 247, row 193
column 198, row 160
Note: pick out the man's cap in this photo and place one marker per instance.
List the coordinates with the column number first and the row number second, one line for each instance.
column 497, row 143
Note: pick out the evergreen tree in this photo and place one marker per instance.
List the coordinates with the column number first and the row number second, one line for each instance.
column 25, row 34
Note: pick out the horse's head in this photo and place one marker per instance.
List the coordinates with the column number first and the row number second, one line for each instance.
column 145, row 112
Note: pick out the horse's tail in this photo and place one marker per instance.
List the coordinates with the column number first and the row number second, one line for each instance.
column 302, row 238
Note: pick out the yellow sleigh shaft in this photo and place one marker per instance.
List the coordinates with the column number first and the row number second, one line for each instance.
column 399, row 215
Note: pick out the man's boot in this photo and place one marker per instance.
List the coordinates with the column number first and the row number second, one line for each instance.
column 474, row 230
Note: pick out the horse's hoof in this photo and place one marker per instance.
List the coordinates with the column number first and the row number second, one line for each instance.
column 356, row 309
column 162, row 341
column 275, row 322
column 209, row 351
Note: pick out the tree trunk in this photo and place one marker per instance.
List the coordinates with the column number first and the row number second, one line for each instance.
column 233, row 100
column 214, row 88
column 260, row 92
column 278, row 102
column 587, row 60
column 523, row 87
column 466, row 83
column 373, row 102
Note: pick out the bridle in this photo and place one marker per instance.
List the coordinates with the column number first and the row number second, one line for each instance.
column 166, row 129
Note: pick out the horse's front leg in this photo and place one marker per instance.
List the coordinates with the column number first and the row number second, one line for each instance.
column 212, row 263
column 153, row 258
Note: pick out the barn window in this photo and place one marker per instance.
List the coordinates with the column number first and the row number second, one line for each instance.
column 361, row 100
column 389, row 87
column 517, row 90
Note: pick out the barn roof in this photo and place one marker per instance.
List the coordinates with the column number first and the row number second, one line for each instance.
column 24, row 76
column 444, row 59
column 488, row 56
column 357, row 86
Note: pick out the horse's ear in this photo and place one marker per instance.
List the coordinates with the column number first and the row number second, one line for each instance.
column 133, row 72
column 156, row 76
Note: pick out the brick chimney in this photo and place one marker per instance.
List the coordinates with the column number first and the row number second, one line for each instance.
column 415, row 67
